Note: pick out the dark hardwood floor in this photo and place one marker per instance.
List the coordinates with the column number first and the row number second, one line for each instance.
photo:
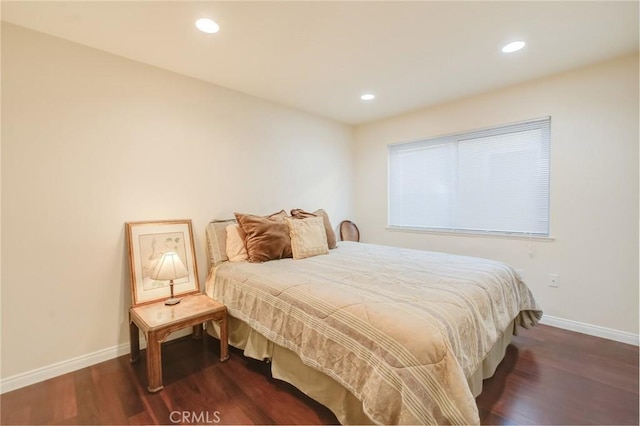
column 549, row 376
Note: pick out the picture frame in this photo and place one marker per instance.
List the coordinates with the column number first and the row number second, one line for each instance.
column 147, row 242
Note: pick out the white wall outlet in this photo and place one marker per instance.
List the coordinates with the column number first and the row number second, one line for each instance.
column 554, row 280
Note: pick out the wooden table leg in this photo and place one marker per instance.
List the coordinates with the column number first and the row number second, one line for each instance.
column 134, row 342
column 154, row 362
column 224, row 338
column 197, row 332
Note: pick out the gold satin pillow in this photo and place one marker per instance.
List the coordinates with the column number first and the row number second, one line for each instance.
column 265, row 238
column 236, row 251
column 331, row 236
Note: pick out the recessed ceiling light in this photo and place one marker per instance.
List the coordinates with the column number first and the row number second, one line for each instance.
column 514, row 46
column 206, row 25
column 368, row 97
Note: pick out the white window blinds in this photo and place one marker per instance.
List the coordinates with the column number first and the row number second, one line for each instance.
column 492, row 180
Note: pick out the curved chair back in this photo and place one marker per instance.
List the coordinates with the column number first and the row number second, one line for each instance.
column 349, row 231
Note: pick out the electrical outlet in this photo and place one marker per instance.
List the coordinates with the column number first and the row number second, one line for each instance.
column 554, row 280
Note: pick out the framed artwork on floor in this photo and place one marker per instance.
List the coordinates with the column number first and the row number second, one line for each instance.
column 147, row 243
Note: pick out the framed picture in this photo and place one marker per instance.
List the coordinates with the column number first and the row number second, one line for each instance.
column 148, row 241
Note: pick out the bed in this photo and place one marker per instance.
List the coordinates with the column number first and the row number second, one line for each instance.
column 377, row 334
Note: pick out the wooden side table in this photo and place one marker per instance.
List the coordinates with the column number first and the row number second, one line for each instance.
column 157, row 321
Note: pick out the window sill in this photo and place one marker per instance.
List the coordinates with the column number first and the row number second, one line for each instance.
column 480, row 234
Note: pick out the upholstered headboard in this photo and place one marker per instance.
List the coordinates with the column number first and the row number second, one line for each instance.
column 217, row 240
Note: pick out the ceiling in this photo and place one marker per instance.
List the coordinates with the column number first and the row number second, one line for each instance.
column 321, row 56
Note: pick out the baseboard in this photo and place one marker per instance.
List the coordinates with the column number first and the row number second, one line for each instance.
column 592, row 330
column 50, row 371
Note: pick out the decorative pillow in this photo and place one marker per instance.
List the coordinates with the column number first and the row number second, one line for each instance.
column 331, row 236
column 265, row 238
column 217, row 240
column 236, row 252
column 308, row 237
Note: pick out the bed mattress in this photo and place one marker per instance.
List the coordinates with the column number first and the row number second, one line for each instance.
column 401, row 330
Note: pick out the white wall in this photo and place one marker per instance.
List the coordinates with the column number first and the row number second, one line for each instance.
column 90, row 141
column 594, row 188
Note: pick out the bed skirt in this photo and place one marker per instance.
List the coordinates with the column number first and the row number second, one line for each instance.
column 287, row 366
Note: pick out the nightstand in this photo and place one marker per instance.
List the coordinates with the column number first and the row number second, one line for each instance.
column 158, row 320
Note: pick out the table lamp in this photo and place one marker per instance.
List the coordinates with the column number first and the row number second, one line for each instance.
column 170, row 267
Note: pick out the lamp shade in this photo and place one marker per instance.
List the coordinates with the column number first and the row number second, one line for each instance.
column 170, row 267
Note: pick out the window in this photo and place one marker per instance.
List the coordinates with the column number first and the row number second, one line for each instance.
column 486, row 181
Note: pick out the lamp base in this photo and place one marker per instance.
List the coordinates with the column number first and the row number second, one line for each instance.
column 172, row 301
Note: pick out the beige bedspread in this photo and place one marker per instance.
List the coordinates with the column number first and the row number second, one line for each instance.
column 401, row 329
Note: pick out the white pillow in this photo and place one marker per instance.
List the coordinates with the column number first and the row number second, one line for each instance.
column 236, row 252
column 308, row 237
